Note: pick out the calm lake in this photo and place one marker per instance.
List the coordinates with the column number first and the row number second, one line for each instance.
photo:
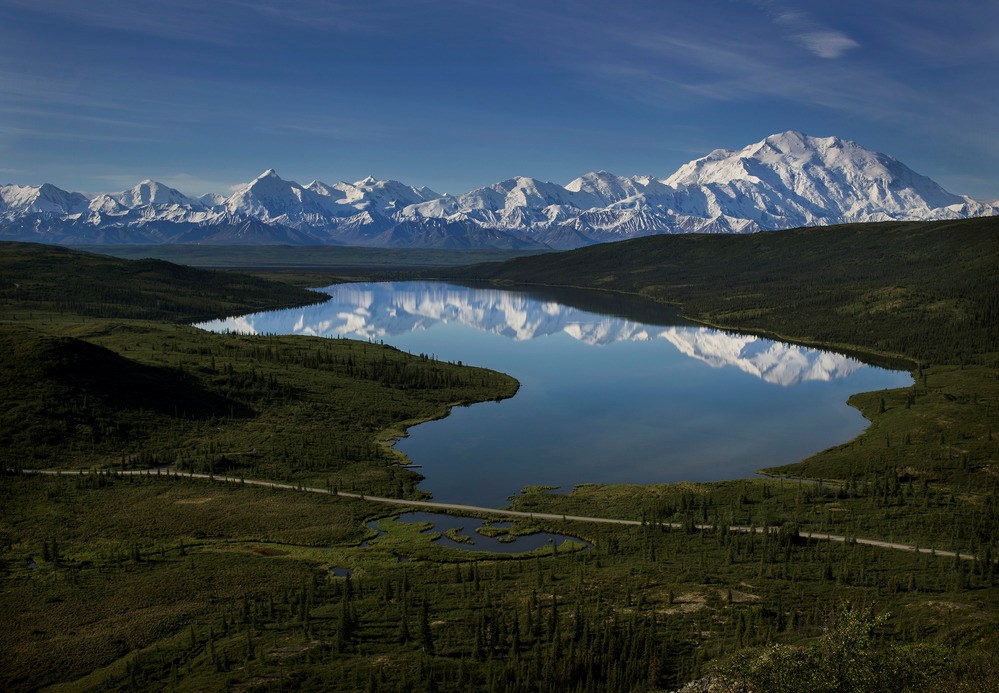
column 613, row 390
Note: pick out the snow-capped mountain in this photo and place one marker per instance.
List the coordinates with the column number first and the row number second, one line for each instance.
column 383, row 310
column 146, row 202
column 21, row 200
column 784, row 181
column 270, row 198
column 149, row 192
column 795, row 180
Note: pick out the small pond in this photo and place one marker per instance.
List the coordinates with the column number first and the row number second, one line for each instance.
column 481, row 535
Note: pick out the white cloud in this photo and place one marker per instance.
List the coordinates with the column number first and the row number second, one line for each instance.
column 826, row 44
column 808, row 33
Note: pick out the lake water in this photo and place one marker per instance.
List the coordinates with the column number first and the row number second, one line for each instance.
column 613, row 389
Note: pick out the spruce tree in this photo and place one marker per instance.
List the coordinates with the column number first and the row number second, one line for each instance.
column 426, row 636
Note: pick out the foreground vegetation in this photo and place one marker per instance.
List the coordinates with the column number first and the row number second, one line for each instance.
column 161, row 582
column 175, row 584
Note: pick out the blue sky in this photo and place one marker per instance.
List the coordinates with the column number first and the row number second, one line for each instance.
column 202, row 95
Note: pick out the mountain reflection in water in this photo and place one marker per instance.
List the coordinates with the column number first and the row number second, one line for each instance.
column 379, row 311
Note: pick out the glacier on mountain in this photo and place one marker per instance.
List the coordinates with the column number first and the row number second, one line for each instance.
column 786, row 180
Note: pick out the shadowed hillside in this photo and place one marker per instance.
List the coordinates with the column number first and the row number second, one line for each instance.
column 60, row 391
column 43, row 277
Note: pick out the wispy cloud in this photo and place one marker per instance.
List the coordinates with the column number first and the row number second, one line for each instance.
column 823, row 41
column 463, row 89
column 677, row 60
column 332, row 128
column 72, row 116
column 826, row 44
column 184, row 20
column 57, row 93
column 332, row 15
column 224, row 22
column 41, row 133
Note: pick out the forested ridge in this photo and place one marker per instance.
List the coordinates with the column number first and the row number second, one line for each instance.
column 51, row 278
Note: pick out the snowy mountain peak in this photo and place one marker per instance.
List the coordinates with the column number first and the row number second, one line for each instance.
column 331, row 192
column 800, row 149
column 211, row 199
column 20, row 200
column 595, row 179
column 149, row 192
column 792, row 138
column 793, row 179
column 271, row 198
column 605, row 187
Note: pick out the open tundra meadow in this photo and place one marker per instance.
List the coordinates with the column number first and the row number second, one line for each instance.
column 159, row 558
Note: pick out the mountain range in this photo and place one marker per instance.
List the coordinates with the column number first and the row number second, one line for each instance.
column 784, row 181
